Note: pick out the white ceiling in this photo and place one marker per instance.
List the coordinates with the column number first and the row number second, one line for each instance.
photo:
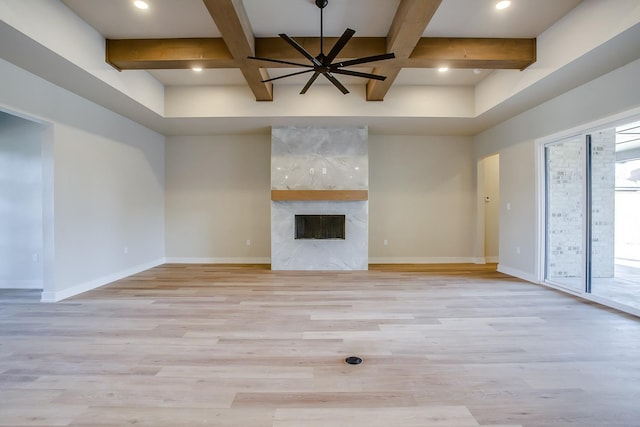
column 369, row 18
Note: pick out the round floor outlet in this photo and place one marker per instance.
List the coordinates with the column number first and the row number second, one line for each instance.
column 353, row 360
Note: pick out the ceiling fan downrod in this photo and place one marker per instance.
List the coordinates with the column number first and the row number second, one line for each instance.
column 322, row 4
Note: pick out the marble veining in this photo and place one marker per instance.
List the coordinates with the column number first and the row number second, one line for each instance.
column 319, row 159
column 313, row 158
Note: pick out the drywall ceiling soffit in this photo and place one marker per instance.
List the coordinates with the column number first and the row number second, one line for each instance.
column 167, row 125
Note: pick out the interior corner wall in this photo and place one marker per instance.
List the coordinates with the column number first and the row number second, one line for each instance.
column 21, row 232
column 107, row 195
column 421, row 199
column 515, row 141
column 218, row 199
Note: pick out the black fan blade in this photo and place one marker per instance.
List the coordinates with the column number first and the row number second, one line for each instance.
column 309, row 83
column 336, row 83
column 364, row 60
column 357, row 74
column 342, row 41
column 300, row 49
column 287, row 75
column 280, row 62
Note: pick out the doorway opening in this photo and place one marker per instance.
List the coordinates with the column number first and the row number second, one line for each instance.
column 488, row 218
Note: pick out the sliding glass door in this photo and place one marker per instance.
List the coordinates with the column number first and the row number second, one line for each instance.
column 592, row 215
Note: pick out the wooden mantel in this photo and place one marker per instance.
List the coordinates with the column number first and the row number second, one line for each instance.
column 338, row 195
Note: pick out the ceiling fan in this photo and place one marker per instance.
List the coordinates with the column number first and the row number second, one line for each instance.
column 323, row 64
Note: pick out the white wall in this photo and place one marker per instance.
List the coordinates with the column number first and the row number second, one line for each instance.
column 421, row 199
column 103, row 180
column 514, row 140
column 21, row 224
column 218, row 197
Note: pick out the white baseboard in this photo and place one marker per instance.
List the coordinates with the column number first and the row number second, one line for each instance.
column 524, row 275
column 492, row 259
column 55, row 296
column 479, row 260
column 421, row 260
column 20, row 284
column 205, row 260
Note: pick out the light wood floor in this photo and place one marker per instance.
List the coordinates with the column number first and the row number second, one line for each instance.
column 203, row 345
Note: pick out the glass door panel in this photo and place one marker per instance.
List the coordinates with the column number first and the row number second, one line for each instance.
column 614, row 196
column 564, row 165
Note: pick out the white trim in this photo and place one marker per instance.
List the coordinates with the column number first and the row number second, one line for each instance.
column 541, row 204
column 420, row 260
column 520, row 274
column 479, row 260
column 55, row 296
column 20, row 284
column 610, row 121
column 217, row 260
column 492, row 259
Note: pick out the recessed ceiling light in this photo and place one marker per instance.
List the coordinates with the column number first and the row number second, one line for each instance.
column 141, row 4
column 197, row 69
column 443, row 69
column 503, row 4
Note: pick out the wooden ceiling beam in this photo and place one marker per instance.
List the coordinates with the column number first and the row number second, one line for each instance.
column 233, row 23
column 409, row 23
column 434, row 52
column 152, row 54
column 147, row 54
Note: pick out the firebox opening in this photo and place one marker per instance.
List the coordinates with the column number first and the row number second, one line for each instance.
column 320, row 227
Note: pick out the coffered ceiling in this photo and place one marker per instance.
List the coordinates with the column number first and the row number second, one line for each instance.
column 380, row 25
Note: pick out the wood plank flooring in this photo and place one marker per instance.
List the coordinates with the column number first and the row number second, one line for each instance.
column 203, row 345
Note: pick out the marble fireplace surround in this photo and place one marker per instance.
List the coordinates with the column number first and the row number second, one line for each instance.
column 319, row 171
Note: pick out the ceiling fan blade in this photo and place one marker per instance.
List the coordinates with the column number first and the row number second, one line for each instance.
column 336, row 83
column 364, row 60
column 280, row 62
column 358, row 74
column 300, row 49
column 309, row 83
column 286, row 75
column 342, row 41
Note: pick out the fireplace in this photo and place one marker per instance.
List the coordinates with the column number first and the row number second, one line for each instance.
column 319, row 198
column 319, row 227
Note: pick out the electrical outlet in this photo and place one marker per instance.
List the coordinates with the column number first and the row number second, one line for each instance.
column 386, row 242
column 248, row 242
